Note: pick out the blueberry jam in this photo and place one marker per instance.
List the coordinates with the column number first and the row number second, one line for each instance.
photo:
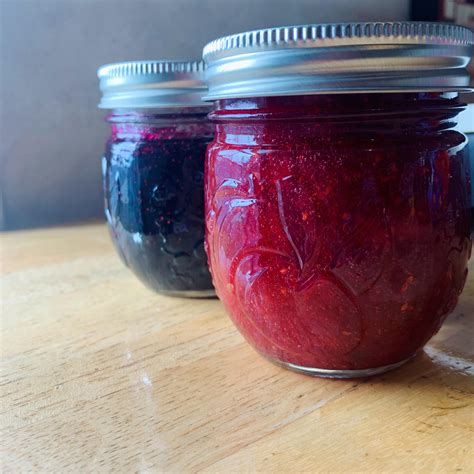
column 153, row 172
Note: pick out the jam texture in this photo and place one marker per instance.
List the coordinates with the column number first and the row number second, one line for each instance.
column 153, row 174
column 338, row 226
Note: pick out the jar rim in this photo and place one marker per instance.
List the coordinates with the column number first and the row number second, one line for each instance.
column 339, row 58
column 152, row 84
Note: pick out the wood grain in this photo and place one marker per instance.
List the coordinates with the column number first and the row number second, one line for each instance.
column 100, row 375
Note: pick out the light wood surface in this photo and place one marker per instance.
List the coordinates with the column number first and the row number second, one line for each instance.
column 100, row 375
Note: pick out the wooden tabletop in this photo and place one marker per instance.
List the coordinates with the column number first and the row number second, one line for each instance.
column 100, row 375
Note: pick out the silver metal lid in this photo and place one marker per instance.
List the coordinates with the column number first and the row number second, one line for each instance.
column 152, row 84
column 339, row 58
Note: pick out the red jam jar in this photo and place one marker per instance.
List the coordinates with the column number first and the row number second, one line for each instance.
column 337, row 192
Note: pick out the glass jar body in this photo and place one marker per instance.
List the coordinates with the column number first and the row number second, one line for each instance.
column 338, row 226
column 153, row 177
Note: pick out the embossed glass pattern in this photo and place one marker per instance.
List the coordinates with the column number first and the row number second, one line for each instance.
column 153, row 172
column 338, row 225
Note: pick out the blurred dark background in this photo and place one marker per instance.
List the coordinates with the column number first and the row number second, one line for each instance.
column 51, row 133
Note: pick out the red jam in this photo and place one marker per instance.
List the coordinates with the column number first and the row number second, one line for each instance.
column 338, row 225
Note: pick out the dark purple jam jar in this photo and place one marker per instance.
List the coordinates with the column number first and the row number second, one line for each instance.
column 153, row 172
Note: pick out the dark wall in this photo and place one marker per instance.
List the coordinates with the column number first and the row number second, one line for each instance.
column 52, row 135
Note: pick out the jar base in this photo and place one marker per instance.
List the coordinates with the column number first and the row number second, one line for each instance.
column 190, row 293
column 338, row 373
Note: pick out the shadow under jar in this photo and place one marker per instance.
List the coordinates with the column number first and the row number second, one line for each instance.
column 337, row 224
column 153, row 173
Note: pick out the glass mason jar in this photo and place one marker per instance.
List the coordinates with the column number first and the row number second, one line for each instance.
column 153, row 173
column 338, row 217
